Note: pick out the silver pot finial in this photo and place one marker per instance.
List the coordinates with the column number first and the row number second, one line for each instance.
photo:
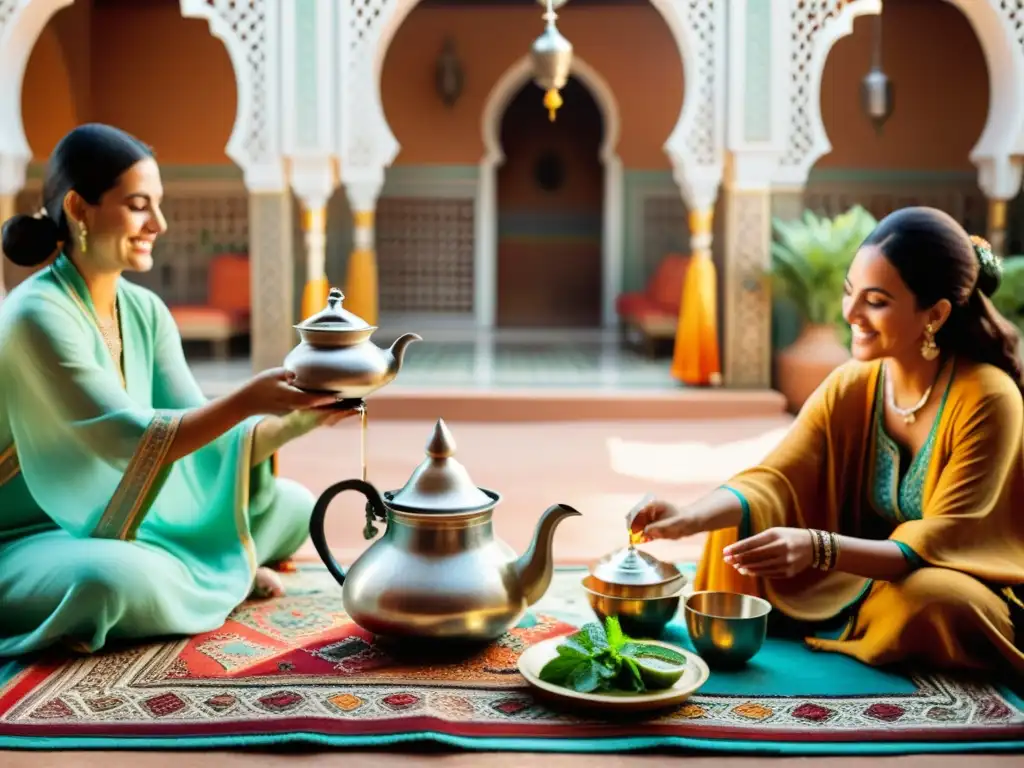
column 441, row 444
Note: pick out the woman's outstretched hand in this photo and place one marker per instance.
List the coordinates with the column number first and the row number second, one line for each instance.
column 663, row 520
column 774, row 554
column 272, row 392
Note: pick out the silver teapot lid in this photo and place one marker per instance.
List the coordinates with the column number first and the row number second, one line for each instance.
column 632, row 567
column 440, row 484
column 334, row 317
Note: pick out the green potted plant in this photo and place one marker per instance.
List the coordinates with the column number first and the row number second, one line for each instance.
column 1009, row 299
column 809, row 261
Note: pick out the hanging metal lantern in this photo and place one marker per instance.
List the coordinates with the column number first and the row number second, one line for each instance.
column 552, row 60
column 876, row 91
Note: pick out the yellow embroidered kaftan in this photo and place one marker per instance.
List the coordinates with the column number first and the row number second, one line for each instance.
column 958, row 605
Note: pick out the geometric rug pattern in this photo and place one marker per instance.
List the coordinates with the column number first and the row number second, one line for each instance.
column 296, row 669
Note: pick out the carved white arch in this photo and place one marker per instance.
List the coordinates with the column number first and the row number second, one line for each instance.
column 21, row 23
column 996, row 25
column 696, row 144
column 486, row 247
column 814, row 29
column 248, row 33
column 253, row 143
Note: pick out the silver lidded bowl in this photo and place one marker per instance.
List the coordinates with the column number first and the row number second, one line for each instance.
column 630, row 572
column 643, row 592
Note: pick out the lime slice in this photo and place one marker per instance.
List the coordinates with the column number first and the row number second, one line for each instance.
column 658, row 673
column 638, row 648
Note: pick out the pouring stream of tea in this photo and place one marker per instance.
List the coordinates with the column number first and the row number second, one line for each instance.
column 362, row 439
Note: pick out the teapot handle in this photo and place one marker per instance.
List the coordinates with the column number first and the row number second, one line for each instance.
column 374, row 507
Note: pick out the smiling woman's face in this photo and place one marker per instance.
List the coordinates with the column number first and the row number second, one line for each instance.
column 123, row 227
column 881, row 310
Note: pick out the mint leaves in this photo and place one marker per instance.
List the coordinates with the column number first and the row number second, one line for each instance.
column 604, row 659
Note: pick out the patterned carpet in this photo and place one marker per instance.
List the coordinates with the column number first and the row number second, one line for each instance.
column 296, row 670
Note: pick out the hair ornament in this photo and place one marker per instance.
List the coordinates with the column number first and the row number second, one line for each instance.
column 991, row 264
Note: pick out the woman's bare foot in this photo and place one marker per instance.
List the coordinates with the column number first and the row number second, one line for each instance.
column 267, row 583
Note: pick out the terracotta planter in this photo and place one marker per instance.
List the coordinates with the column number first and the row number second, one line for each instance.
column 804, row 364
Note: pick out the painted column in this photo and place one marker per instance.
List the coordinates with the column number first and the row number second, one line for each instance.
column 1000, row 179
column 270, row 253
column 366, row 144
column 6, row 211
column 696, row 149
column 251, row 34
column 12, row 180
column 758, row 72
column 748, row 343
column 996, row 234
column 313, row 183
column 361, row 285
column 307, row 67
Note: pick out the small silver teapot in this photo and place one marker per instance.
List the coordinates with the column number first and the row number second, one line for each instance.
column 337, row 356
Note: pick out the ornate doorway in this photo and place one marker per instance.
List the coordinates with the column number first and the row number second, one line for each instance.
column 550, row 195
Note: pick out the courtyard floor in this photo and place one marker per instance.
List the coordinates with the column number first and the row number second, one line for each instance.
column 469, row 359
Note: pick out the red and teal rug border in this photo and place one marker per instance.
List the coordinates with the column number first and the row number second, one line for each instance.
column 791, row 716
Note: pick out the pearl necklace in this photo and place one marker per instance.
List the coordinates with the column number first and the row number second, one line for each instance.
column 909, row 415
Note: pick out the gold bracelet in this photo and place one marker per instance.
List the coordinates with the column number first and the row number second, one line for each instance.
column 835, row 550
column 826, row 543
column 816, row 548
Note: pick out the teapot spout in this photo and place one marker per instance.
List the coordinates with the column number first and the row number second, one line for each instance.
column 536, row 566
column 397, row 352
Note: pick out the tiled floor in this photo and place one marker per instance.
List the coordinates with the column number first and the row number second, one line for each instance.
column 590, row 360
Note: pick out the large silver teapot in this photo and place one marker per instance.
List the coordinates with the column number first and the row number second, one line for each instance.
column 336, row 354
column 438, row 571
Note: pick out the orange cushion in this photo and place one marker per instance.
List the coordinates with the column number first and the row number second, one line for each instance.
column 229, row 282
column 666, row 285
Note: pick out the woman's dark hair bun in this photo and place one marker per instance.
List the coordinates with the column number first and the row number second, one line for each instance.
column 29, row 241
column 990, row 274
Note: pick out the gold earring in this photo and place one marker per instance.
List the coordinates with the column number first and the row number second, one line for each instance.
column 83, row 243
column 929, row 349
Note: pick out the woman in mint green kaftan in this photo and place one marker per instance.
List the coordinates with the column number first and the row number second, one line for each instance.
column 99, row 538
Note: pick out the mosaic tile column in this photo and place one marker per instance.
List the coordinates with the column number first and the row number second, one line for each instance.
column 271, row 252
column 748, row 347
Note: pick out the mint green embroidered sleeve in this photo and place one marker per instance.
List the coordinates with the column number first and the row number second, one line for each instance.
column 174, row 386
column 92, row 457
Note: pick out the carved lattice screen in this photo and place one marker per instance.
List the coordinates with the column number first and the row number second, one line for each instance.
column 425, row 254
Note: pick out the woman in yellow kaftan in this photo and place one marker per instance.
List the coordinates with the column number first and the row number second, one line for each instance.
column 130, row 506
column 888, row 524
